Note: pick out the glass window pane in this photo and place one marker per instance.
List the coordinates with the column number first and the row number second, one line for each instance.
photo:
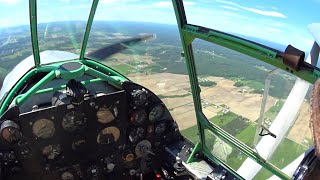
column 298, row 137
column 155, row 63
column 61, row 27
column 15, row 42
column 232, row 91
column 278, row 22
column 223, row 151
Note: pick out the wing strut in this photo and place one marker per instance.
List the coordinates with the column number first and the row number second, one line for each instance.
column 34, row 32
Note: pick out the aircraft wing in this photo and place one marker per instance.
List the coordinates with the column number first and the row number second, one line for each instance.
column 23, row 67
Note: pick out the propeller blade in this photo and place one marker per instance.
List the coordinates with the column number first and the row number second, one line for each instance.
column 117, row 47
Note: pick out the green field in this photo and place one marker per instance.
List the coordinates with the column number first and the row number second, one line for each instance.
column 123, row 68
column 244, row 131
column 286, row 152
column 274, row 110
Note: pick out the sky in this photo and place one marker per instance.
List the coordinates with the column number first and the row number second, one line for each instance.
column 280, row 21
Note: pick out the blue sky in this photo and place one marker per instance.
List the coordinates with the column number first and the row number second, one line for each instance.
column 282, row 21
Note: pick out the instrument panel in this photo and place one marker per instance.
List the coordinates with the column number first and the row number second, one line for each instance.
column 119, row 134
column 63, row 133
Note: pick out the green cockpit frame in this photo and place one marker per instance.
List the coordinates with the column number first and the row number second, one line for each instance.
column 188, row 33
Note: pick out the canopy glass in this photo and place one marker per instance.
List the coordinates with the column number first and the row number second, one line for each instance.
column 272, row 23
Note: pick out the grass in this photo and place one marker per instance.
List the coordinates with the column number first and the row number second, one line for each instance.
column 123, row 69
column 191, row 134
column 274, row 110
column 246, row 136
column 174, row 96
column 221, row 120
column 240, row 81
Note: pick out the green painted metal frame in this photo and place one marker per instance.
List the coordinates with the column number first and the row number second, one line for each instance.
column 94, row 68
column 190, row 32
column 34, row 32
column 53, row 89
column 88, row 28
column 56, row 73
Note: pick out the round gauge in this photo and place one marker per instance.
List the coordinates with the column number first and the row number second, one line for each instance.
column 160, row 128
column 108, row 135
column 139, row 97
column 43, row 128
column 136, row 134
column 74, row 121
column 52, row 151
column 138, row 117
column 10, row 132
column 104, row 115
column 156, row 113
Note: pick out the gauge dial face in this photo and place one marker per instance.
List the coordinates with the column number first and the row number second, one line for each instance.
column 138, row 117
column 156, row 113
column 10, row 132
column 104, row 115
column 74, row 121
column 108, row 135
column 139, row 97
column 43, row 128
column 136, row 134
column 52, row 151
column 160, row 128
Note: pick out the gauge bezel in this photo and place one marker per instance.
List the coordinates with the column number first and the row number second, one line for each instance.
column 135, row 113
column 50, row 121
column 110, row 109
column 158, row 124
column 133, row 98
column 134, row 129
column 75, row 113
column 162, row 114
column 115, row 136
column 6, row 124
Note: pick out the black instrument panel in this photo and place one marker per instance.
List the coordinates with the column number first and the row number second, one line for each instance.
column 69, row 134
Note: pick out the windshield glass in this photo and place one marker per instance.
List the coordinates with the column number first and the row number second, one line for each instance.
column 15, row 40
column 61, row 27
column 273, row 23
column 155, row 62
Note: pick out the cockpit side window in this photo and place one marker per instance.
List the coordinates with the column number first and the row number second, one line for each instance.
column 15, row 40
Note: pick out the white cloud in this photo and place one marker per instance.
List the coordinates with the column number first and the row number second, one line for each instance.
column 272, row 29
column 9, row 1
column 230, row 7
column 265, row 13
column 169, row 3
column 163, row 4
column 188, row 3
column 108, row 1
column 257, row 11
